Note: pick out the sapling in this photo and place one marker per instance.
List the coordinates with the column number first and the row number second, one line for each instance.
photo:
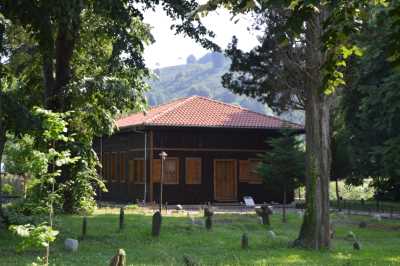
column 50, row 160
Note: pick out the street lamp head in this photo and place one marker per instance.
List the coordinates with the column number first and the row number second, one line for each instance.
column 163, row 155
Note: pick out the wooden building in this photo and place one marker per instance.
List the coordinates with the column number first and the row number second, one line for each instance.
column 212, row 152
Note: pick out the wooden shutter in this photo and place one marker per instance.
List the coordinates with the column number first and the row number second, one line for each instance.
column 243, row 170
column 113, row 165
column 131, row 170
column 193, row 170
column 254, row 176
column 108, row 165
column 122, row 166
column 139, row 171
column 171, row 171
column 104, row 163
column 156, row 170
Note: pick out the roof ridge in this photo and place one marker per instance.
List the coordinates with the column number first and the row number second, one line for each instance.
column 245, row 109
column 173, row 107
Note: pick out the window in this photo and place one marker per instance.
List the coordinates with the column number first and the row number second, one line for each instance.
column 122, row 166
column 156, row 170
column 117, row 168
column 136, row 171
column 105, row 165
column 171, row 171
column 243, row 170
column 193, row 170
column 113, row 166
column 131, row 171
column 248, row 171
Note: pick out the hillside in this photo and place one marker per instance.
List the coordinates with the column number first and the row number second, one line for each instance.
column 202, row 77
column 198, row 77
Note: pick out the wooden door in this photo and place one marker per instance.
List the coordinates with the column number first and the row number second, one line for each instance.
column 225, row 188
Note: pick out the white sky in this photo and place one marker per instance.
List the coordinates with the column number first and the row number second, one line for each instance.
column 170, row 49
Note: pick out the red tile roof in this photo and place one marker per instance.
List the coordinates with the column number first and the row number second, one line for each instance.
column 197, row 111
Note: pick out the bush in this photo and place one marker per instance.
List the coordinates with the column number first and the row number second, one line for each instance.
column 7, row 189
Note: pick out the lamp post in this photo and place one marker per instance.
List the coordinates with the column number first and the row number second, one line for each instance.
column 163, row 156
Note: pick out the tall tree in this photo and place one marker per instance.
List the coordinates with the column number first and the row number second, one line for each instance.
column 370, row 107
column 283, row 166
column 90, row 61
column 297, row 66
column 286, row 77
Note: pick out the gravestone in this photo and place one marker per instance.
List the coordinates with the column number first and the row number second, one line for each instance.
column 121, row 218
column 271, row 234
column 249, row 202
column 378, row 217
column 208, row 213
column 362, row 224
column 119, row 259
column 332, row 231
column 188, row 261
column 156, row 224
column 71, row 244
column 245, row 241
column 351, row 236
column 264, row 212
column 84, row 227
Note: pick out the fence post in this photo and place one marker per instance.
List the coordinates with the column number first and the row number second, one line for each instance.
column 391, row 212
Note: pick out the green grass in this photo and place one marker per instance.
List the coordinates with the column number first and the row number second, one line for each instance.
column 369, row 205
column 221, row 246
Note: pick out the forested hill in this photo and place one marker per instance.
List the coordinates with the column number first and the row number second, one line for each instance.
column 197, row 77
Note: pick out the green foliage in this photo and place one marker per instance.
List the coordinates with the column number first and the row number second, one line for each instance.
column 22, row 158
column 353, row 192
column 284, row 164
column 85, row 57
column 370, row 109
column 39, row 236
column 38, row 158
column 7, row 189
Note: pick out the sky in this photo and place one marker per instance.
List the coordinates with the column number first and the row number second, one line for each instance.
column 170, row 49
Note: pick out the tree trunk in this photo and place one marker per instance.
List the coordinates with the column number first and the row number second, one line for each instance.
column 337, row 194
column 2, row 144
column 314, row 232
column 57, row 56
column 284, row 218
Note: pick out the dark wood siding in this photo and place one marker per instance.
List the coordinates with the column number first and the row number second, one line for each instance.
column 129, row 146
column 182, row 143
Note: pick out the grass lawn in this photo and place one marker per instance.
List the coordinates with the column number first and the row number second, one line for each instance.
column 380, row 241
